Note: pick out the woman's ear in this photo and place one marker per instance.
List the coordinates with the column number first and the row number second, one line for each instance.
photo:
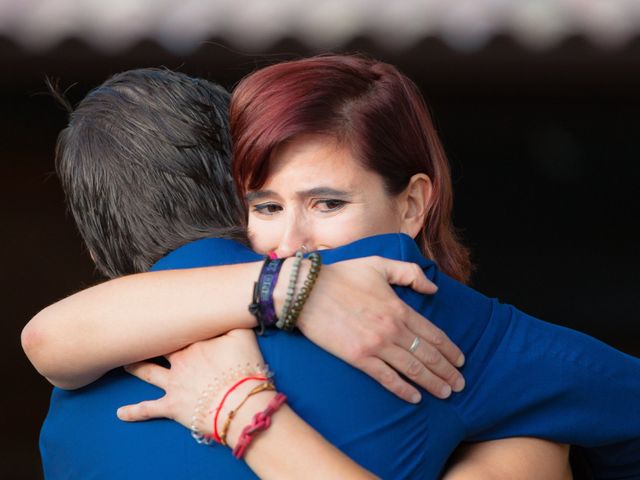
column 415, row 204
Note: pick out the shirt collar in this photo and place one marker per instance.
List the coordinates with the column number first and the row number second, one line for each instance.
column 397, row 246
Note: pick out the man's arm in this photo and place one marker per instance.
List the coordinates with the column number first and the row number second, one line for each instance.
column 290, row 448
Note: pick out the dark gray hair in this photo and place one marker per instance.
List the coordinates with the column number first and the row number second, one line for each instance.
column 145, row 166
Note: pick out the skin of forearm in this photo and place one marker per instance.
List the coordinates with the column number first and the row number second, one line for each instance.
column 78, row 339
column 518, row 458
column 284, row 450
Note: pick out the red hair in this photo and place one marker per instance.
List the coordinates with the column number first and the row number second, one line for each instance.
column 371, row 107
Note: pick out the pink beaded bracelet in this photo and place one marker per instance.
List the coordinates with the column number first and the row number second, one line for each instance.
column 261, row 421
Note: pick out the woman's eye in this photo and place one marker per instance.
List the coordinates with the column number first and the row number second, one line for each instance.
column 267, row 208
column 330, row 205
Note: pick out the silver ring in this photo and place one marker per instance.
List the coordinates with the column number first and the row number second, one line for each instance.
column 414, row 345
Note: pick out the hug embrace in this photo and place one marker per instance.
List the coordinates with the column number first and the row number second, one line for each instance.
column 307, row 313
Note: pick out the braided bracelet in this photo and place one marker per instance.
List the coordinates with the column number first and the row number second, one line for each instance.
column 293, row 280
column 216, row 435
column 261, row 421
column 203, row 404
column 296, row 308
column 232, row 413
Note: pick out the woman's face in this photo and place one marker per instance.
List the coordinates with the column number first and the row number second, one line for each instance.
column 318, row 195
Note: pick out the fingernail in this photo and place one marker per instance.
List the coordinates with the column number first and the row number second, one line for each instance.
column 460, row 361
column 445, row 392
column 459, row 385
column 416, row 397
column 119, row 412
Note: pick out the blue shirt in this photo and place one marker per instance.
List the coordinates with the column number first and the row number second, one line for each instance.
column 525, row 377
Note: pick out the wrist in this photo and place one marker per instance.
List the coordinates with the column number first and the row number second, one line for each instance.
column 220, row 399
column 252, row 273
column 262, row 305
column 282, row 285
column 244, row 416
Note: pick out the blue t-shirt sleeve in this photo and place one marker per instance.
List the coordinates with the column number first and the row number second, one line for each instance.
column 527, row 377
column 551, row 382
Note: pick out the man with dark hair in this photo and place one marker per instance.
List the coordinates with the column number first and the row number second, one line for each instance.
column 144, row 163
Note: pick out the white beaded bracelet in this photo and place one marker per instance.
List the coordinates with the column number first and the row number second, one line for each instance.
column 203, row 406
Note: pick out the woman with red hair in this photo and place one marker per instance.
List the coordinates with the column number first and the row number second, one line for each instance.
column 366, row 106
column 339, row 153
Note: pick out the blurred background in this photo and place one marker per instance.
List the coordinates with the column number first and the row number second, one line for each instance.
column 537, row 102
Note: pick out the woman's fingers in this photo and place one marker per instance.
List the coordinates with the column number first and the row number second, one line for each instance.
column 150, row 373
column 406, row 274
column 192, row 369
column 144, row 411
column 427, row 331
column 434, row 363
column 389, row 379
column 411, row 275
column 431, row 348
column 398, row 360
column 425, row 366
column 414, row 355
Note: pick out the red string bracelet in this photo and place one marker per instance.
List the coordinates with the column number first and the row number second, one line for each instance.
column 216, row 436
column 261, row 421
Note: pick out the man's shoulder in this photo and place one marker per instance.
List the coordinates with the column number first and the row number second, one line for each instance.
column 206, row 252
column 216, row 251
column 395, row 246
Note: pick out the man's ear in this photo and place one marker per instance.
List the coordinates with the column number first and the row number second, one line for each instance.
column 416, row 201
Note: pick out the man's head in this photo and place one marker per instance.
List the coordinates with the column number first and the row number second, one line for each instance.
column 145, row 165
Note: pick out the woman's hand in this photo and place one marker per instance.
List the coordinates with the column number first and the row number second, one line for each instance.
column 196, row 366
column 354, row 314
column 192, row 369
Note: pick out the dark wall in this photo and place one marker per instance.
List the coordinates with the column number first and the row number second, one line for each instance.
column 544, row 148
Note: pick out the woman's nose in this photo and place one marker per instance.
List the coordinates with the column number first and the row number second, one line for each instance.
column 295, row 237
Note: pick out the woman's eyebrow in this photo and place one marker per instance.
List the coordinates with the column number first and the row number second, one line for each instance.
column 258, row 195
column 324, row 192
column 312, row 192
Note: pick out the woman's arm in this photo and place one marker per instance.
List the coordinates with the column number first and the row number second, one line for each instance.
column 287, row 449
column 290, row 448
column 520, row 458
column 78, row 339
column 352, row 313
